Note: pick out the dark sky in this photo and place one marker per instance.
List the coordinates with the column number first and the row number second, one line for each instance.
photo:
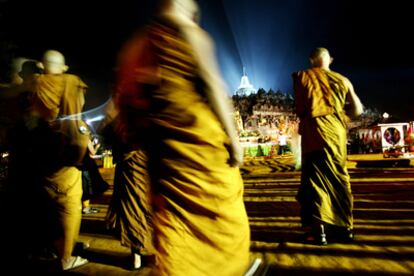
column 370, row 41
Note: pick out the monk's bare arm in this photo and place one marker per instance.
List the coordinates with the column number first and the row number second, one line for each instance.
column 216, row 92
column 355, row 107
column 220, row 103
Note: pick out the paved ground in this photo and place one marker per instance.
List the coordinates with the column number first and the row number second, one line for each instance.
column 384, row 223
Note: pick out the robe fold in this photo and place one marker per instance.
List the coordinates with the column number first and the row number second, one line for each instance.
column 130, row 211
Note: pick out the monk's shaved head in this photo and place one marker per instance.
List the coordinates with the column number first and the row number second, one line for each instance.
column 186, row 8
column 317, row 52
column 320, row 57
column 54, row 62
column 53, row 57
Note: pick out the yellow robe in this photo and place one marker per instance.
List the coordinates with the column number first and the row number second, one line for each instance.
column 325, row 192
column 59, row 101
column 130, row 211
column 200, row 222
column 64, row 95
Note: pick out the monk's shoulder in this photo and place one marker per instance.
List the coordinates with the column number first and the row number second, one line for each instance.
column 74, row 79
column 303, row 76
column 71, row 77
column 339, row 76
column 298, row 74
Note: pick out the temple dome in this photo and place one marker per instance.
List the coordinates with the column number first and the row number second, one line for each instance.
column 245, row 88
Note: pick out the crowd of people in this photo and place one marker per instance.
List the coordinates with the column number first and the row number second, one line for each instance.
column 178, row 192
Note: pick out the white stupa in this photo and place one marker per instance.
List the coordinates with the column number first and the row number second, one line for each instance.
column 245, row 88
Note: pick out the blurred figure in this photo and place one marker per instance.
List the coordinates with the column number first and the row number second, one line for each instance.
column 13, row 77
column 22, row 192
column 59, row 142
column 93, row 185
column 13, row 97
column 296, row 148
column 174, row 104
column 130, row 212
column 322, row 97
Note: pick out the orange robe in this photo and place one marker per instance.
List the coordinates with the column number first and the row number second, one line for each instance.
column 200, row 222
column 130, row 211
column 325, row 191
column 61, row 95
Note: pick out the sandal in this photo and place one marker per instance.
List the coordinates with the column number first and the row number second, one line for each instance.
column 316, row 236
column 90, row 210
column 136, row 261
column 75, row 261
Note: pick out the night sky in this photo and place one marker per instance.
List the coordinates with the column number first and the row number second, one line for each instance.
column 370, row 41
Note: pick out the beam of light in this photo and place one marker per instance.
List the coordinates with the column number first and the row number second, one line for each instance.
column 215, row 22
column 230, row 68
column 96, row 112
column 90, row 116
column 262, row 41
column 94, row 119
column 262, row 34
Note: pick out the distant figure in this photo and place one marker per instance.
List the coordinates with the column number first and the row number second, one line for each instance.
column 282, row 140
column 59, row 142
column 322, row 97
column 93, row 185
column 13, row 101
column 296, row 148
column 175, row 105
column 22, row 192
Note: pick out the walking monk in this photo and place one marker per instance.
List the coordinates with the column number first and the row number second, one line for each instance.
column 172, row 98
column 322, row 99
column 59, row 140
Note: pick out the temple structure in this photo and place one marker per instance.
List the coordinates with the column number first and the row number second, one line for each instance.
column 245, row 88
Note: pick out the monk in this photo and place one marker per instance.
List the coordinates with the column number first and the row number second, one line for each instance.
column 323, row 100
column 174, row 104
column 60, row 143
column 21, row 192
column 12, row 98
column 130, row 211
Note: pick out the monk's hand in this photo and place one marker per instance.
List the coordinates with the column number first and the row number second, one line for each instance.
column 236, row 154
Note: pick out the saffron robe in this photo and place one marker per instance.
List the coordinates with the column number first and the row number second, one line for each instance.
column 130, row 212
column 53, row 95
column 200, row 222
column 325, row 192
